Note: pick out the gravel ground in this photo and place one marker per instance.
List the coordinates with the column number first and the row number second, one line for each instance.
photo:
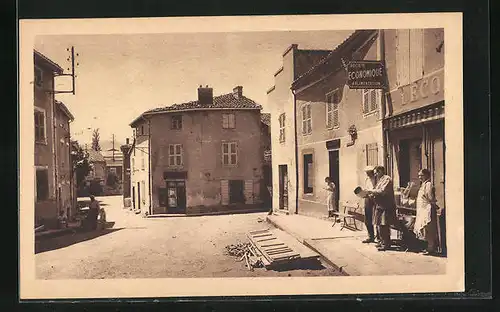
column 136, row 247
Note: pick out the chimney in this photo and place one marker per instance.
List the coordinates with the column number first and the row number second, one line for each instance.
column 127, row 141
column 205, row 95
column 238, row 92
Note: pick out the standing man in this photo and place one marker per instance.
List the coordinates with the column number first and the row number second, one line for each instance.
column 370, row 183
column 94, row 209
column 385, row 206
column 426, row 220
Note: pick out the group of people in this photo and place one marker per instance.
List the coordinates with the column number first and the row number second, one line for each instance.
column 380, row 208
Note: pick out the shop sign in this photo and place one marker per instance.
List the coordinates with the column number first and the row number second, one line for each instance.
column 428, row 90
column 366, row 75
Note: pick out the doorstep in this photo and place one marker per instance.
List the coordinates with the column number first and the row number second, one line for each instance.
column 345, row 251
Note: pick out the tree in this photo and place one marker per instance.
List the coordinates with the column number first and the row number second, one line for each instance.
column 80, row 161
column 95, row 140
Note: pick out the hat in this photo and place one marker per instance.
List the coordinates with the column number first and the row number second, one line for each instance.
column 369, row 168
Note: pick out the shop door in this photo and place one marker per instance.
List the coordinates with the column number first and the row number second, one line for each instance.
column 334, row 164
column 283, row 186
column 176, row 194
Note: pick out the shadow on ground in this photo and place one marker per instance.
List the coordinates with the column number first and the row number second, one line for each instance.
column 300, row 264
column 78, row 236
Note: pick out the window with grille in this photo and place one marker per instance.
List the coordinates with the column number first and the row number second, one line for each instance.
column 282, row 127
column 371, row 154
column 371, row 100
column 306, row 119
column 229, row 153
column 40, row 126
column 177, row 122
column 228, row 121
column 175, row 154
column 308, row 174
column 409, row 55
column 332, row 109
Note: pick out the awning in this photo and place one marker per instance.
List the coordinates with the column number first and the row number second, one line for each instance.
column 415, row 117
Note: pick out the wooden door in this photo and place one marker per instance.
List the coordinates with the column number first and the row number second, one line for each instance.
column 283, row 186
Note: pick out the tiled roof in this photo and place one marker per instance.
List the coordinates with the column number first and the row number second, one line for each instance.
column 266, row 118
column 95, row 156
column 39, row 57
column 225, row 101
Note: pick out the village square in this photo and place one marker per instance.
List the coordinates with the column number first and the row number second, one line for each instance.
column 266, row 155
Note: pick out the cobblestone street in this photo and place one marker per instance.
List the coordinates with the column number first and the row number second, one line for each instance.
column 136, row 247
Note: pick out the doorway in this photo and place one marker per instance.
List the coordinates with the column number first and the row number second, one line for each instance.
column 176, row 196
column 236, row 192
column 133, row 197
column 334, row 166
column 283, row 186
column 138, row 195
column 410, row 160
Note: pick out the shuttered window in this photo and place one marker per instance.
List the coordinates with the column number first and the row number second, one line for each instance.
column 306, row 119
column 371, row 154
column 282, row 127
column 228, row 121
column 175, row 155
column 332, row 109
column 371, row 100
column 248, row 191
column 409, row 55
column 229, row 153
column 308, row 173
column 40, row 126
column 224, row 192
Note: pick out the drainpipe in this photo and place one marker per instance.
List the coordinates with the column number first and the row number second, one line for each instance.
column 385, row 141
column 150, row 179
column 296, row 153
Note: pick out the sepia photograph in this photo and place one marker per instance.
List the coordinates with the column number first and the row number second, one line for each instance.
column 241, row 156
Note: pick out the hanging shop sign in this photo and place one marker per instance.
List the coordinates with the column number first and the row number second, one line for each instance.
column 366, row 75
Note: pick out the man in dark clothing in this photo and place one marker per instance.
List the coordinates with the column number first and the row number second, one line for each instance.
column 94, row 209
column 370, row 184
column 385, row 206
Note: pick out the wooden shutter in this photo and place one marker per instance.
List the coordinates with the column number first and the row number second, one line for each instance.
column 416, row 54
column 366, row 100
column 402, row 57
column 224, row 192
column 248, row 191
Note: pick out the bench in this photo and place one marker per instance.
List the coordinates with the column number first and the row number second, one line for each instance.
column 346, row 216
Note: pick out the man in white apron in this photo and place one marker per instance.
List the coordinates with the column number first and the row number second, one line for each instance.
column 426, row 220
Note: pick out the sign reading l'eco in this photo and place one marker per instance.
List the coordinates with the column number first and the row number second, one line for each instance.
column 366, row 75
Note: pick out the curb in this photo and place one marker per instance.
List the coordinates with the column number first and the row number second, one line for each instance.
column 306, row 243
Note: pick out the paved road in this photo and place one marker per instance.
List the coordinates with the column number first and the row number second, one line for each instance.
column 136, row 247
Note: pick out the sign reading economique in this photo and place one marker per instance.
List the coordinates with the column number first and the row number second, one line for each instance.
column 366, row 75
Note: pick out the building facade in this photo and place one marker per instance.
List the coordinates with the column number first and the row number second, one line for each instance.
column 281, row 104
column 339, row 130
column 199, row 156
column 54, row 179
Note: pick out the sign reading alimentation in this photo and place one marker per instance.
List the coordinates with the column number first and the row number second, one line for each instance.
column 366, row 75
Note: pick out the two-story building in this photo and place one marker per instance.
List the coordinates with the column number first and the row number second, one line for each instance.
column 281, row 104
column 198, row 156
column 54, row 180
column 339, row 130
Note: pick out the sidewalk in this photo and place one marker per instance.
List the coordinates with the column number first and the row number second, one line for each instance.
column 344, row 249
column 72, row 226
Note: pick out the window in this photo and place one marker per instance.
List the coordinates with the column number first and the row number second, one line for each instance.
column 38, row 77
column 133, row 164
column 282, row 127
column 42, row 184
column 332, row 109
column 40, row 126
column 306, row 119
column 143, row 162
column 229, row 153
column 371, row 99
column 175, row 155
column 371, row 154
column 177, row 122
column 308, row 173
column 409, row 55
column 228, row 121
column 112, row 170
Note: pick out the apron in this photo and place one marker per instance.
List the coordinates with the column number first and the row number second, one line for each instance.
column 424, row 210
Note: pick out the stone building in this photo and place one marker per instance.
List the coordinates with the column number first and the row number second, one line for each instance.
column 54, row 179
column 198, row 156
column 281, row 104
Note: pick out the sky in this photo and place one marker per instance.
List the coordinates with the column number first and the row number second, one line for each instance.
column 121, row 76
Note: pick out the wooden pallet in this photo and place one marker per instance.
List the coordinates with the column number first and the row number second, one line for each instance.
column 271, row 248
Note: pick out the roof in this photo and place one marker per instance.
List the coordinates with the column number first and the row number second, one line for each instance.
column 225, row 101
column 95, row 156
column 265, row 118
column 334, row 53
column 65, row 110
column 40, row 58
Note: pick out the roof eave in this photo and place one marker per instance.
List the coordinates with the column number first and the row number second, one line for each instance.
column 48, row 62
